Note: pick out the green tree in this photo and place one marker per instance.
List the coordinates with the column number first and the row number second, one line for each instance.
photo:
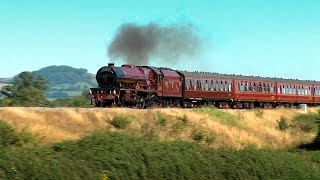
column 28, row 89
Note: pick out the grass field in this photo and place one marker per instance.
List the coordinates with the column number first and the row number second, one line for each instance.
column 235, row 129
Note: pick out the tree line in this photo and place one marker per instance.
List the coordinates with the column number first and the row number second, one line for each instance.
column 30, row 89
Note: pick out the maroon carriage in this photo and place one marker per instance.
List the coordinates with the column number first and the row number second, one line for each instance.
column 207, row 88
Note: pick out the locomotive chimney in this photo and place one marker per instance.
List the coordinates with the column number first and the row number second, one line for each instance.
column 111, row 64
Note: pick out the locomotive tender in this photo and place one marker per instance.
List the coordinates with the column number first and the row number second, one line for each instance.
column 146, row 86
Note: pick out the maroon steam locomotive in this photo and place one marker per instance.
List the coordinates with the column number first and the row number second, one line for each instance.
column 146, row 86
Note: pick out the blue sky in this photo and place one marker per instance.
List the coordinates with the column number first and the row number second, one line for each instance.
column 254, row 37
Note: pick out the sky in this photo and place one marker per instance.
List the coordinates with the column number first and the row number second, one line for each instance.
column 271, row 38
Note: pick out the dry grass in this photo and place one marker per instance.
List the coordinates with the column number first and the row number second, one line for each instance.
column 258, row 127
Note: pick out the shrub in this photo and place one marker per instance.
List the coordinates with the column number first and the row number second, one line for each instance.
column 120, row 122
column 316, row 140
column 162, row 120
column 307, row 122
column 184, row 119
column 181, row 122
column 259, row 113
column 8, row 136
column 283, row 123
column 210, row 138
column 197, row 135
column 148, row 131
column 113, row 155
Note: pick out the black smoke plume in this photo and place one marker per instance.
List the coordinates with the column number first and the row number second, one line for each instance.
column 137, row 44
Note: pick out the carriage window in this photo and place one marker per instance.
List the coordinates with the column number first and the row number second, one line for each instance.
column 187, row 84
column 212, row 85
column 246, row 87
column 271, row 88
column 217, row 86
column 241, row 87
column 221, row 86
column 306, row 90
column 229, row 86
column 225, row 85
column 309, row 91
column 198, row 84
column 283, row 89
column 206, row 85
column 290, row 89
column 250, row 87
column 267, row 88
column 260, row 87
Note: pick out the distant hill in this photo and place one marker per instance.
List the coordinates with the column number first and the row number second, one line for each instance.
column 5, row 80
column 63, row 81
column 2, row 84
column 66, row 81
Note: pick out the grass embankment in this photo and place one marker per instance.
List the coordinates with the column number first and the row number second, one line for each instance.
column 144, row 149
column 116, row 155
column 235, row 129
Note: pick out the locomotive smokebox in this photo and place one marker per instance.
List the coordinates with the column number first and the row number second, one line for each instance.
column 111, row 64
column 106, row 77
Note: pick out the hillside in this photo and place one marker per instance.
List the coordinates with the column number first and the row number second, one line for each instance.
column 5, row 81
column 217, row 128
column 63, row 81
column 66, row 81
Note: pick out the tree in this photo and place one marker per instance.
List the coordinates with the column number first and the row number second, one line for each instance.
column 28, row 89
column 76, row 101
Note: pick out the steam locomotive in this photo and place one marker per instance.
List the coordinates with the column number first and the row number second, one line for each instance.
column 146, row 86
